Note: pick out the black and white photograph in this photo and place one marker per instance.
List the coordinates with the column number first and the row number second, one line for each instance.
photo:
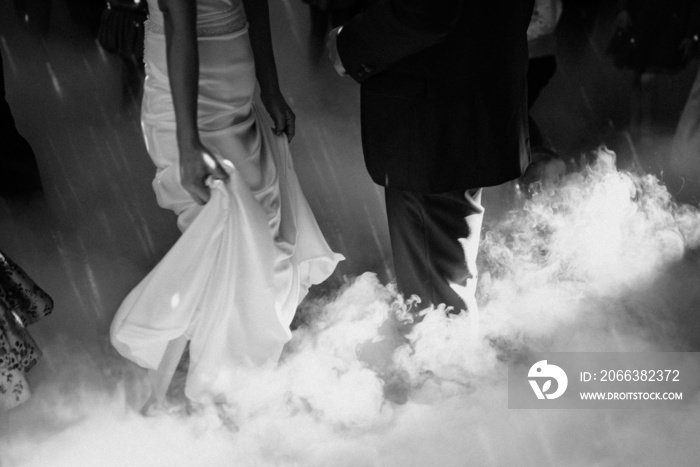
column 349, row 233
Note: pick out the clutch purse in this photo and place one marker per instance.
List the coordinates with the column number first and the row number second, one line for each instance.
column 121, row 28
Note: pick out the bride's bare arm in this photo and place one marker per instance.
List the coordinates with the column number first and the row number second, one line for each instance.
column 196, row 163
column 258, row 15
column 183, row 63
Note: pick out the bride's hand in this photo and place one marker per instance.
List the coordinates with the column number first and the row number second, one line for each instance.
column 282, row 115
column 196, row 165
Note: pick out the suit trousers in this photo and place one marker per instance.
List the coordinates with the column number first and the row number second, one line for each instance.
column 435, row 240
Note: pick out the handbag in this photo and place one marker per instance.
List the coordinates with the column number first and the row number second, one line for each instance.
column 121, row 28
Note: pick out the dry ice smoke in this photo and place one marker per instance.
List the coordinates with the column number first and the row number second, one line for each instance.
column 604, row 261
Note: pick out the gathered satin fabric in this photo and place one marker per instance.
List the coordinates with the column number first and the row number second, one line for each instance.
column 232, row 282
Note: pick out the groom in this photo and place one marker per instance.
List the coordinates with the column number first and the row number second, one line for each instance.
column 444, row 114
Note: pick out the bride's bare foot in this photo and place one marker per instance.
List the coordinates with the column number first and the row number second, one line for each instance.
column 152, row 407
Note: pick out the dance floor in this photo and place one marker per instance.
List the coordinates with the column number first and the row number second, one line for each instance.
column 609, row 262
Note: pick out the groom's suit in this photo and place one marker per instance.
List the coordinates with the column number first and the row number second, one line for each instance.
column 443, row 112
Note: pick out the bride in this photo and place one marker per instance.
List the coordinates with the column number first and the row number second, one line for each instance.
column 250, row 246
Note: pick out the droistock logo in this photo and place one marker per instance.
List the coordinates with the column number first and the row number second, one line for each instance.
column 542, row 370
column 604, row 380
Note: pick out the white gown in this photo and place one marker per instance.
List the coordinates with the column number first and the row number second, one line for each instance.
column 232, row 282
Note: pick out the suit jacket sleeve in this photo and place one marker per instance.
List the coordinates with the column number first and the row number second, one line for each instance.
column 390, row 30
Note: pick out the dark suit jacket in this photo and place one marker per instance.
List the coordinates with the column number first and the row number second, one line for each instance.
column 443, row 91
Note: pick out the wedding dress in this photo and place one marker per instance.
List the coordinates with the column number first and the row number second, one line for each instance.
column 232, row 282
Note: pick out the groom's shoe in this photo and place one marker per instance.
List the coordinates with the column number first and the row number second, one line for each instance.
column 397, row 386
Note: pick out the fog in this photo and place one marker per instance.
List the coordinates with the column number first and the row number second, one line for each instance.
column 606, row 261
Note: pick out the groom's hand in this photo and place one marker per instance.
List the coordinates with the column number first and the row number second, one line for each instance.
column 332, row 50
